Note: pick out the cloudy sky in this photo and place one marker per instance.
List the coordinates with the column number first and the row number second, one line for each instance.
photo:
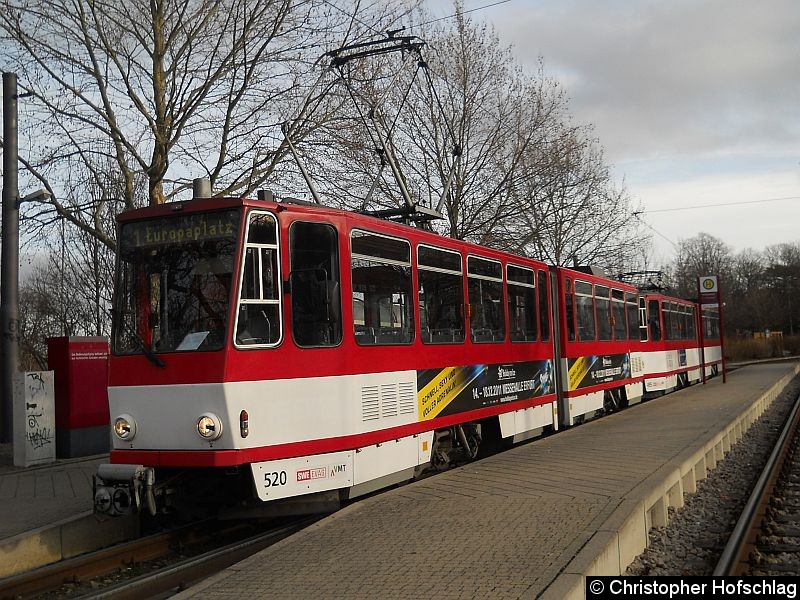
column 697, row 103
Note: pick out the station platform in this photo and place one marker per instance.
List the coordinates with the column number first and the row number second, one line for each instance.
column 34, row 497
column 530, row 522
column 47, row 513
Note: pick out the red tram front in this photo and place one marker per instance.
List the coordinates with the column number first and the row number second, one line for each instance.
column 269, row 351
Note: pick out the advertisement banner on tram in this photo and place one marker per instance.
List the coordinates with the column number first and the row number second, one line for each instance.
column 586, row 371
column 452, row 390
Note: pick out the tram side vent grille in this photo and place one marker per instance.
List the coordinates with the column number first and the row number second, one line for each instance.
column 370, row 403
column 408, row 398
column 389, row 400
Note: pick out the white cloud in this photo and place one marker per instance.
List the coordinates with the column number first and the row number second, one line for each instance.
column 744, row 220
column 695, row 101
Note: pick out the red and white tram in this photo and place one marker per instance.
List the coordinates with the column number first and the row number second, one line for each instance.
column 672, row 348
column 600, row 356
column 711, row 337
column 275, row 350
column 297, row 354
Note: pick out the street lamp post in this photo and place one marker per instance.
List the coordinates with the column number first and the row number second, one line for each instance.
column 9, row 269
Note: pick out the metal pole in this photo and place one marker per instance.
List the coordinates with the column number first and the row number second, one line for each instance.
column 9, row 269
column 721, row 332
column 701, row 336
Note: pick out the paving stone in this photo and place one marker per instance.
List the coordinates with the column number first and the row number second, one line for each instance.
column 504, row 527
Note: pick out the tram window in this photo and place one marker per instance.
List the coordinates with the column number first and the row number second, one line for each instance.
column 261, row 230
column 315, row 289
column 667, row 318
column 441, row 296
column 436, row 258
column 642, row 320
column 632, row 311
column 569, row 309
column 382, row 300
column 522, row 317
column 676, row 321
column 260, row 273
column 654, row 320
column 585, row 311
column 258, row 321
column 603, row 305
column 485, row 291
column 684, row 322
column 692, row 324
column 618, row 314
column 544, row 307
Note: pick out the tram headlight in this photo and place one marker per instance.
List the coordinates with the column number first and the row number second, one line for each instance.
column 209, row 426
column 125, row 427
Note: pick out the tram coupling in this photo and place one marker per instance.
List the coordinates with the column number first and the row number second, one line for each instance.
column 122, row 489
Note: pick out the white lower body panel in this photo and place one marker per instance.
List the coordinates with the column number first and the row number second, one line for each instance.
column 528, row 419
column 276, row 479
column 582, row 405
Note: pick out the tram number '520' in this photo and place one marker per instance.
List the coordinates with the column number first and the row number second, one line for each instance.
column 274, row 478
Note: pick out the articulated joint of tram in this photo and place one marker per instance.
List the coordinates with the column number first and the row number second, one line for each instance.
column 122, row 489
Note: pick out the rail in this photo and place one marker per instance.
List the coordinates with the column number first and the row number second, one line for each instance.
column 109, row 560
column 183, row 574
column 734, row 558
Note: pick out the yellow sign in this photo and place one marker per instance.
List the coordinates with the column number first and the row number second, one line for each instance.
column 708, row 284
column 578, row 371
column 441, row 391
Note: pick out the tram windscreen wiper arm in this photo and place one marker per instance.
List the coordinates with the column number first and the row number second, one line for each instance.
column 151, row 356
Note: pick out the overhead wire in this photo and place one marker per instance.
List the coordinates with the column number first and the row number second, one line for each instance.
column 636, row 215
column 353, row 16
column 464, row 12
column 735, row 203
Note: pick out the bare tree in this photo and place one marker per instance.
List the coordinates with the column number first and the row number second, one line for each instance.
column 52, row 304
column 464, row 113
column 782, row 276
column 492, row 114
column 523, row 178
column 573, row 211
column 701, row 255
column 164, row 90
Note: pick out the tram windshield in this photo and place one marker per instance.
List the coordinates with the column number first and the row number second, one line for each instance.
column 174, row 283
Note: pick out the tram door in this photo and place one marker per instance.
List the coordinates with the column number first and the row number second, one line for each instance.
column 315, row 284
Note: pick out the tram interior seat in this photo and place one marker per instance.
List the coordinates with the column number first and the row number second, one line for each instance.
column 482, row 335
column 442, row 336
column 364, row 335
column 523, row 336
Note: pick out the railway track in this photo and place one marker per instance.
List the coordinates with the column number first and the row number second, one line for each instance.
column 766, row 538
column 157, row 555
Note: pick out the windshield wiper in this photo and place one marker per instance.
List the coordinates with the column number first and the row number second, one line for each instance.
column 151, row 356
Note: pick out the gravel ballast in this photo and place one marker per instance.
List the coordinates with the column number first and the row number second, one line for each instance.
column 693, row 540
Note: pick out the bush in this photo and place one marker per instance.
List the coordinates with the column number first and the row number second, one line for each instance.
column 753, row 349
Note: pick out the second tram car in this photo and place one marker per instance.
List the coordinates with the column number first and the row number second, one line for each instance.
column 599, row 343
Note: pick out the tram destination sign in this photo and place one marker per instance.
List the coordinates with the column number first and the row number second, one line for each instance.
column 181, row 229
